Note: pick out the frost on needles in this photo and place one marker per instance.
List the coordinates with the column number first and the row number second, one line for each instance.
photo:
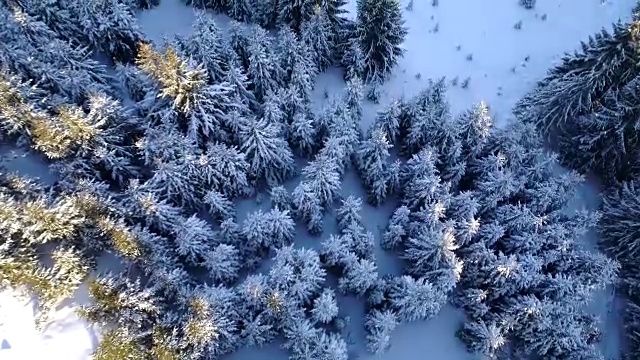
column 152, row 159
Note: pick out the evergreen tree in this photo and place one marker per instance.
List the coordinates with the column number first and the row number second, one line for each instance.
column 358, row 277
column 281, row 198
column 109, row 25
column 297, row 274
column 415, row 299
column 322, row 178
column 354, row 60
column 425, row 116
column 193, row 238
column 485, row 338
column 475, row 126
column 303, row 134
column 379, row 326
column 325, row 307
column 206, row 46
column 219, row 206
column 229, row 171
column 223, row 263
column 397, row 229
column 240, row 10
column 316, row 35
column 264, row 12
column 576, row 86
column 308, row 207
column 264, row 71
column 295, row 12
column 372, row 164
column 380, row 32
column 268, row 154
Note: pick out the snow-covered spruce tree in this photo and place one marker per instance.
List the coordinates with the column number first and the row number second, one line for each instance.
column 316, row 35
column 109, row 26
column 264, row 12
column 281, row 198
column 293, row 13
column 32, row 218
column 423, row 117
column 605, row 142
column 380, row 31
column 125, row 303
column 380, row 325
column 296, row 275
column 203, row 108
column 265, row 73
column 206, row 45
column 219, row 206
column 303, row 135
column 307, row 207
column 397, row 230
column 525, row 262
column 322, row 178
column 268, row 154
column 595, row 116
column 415, row 299
column 325, row 307
column 372, row 163
column 475, row 125
column 388, row 121
column 23, row 37
column 353, row 60
column 577, row 85
column 618, row 229
column 263, row 231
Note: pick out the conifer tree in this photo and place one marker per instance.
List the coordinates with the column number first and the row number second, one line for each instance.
column 379, row 326
column 317, row 37
column 268, row 154
column 372, row 165
column 295, row 12
column 380, row 31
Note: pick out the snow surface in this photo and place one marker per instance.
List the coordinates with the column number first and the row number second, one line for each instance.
column 499, row 74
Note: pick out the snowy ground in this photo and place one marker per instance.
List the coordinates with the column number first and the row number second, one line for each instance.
column 505, row 63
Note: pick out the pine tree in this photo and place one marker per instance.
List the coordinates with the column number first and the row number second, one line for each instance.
column 426, row 114
column 193, row 238
column 281, row 198
column 229, row 171
column 380, row 32
column 219, row 206
column 354, row 60
column 485, row 338
column 297, row 274
column 264, row 12
column 110, row 26
column 475, row 126
column 307, row 206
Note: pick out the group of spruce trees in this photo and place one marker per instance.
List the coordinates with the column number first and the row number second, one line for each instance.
column 589, row 108
column 151, row 152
